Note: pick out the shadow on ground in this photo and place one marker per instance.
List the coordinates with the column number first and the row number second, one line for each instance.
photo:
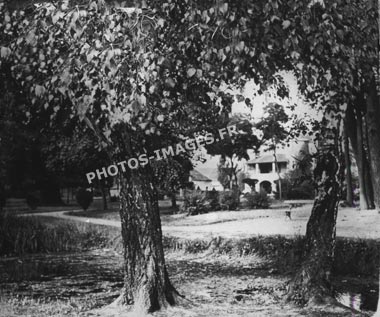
column 83, row 283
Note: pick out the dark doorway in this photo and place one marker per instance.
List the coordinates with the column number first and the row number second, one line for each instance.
column 267, row 186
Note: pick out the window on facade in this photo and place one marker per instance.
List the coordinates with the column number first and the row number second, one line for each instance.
column 282, row 167
column 265, row 168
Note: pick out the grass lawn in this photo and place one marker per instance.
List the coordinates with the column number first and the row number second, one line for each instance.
column 112, row 213
column 222, row 277
column 217, row 279
column 171, row 217
column 83, row 284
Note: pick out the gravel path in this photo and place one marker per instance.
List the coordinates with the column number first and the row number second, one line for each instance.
column 350, row 223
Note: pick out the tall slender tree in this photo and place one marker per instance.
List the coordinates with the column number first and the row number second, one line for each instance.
column 274, row 132
column 234, row 148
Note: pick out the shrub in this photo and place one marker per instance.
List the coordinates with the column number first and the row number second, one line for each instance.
column 258, row 200
column 32, row 200
column 84, row 198
column 304, row 191
column 212, row 199
column 113, row 199
column 161, row 194
column 229, row 200
column 195, row 203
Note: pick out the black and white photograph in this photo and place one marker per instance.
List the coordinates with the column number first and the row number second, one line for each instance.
column 190, row 158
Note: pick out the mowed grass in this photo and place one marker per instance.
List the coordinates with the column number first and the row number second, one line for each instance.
column 219, row 277
column 351, row 222
column 22, row 235
column 16, row 206
column 213, row 285
column 171, row 216
column 113, row 211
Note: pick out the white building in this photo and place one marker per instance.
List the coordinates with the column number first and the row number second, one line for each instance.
column 200, row 181
column 263, row 169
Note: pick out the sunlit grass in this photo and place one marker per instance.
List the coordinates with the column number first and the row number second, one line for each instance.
column 20, row 235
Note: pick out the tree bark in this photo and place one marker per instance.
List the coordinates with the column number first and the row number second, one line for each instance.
column 355, row 135
column 367, row 175
column 373, row 125
column 146, row 285
column 361, row 162
column 373, row 109
column 311, row 283
column 347, row 159
column 368, row 185
column 377, row 314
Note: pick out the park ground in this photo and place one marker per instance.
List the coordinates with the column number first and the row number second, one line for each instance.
column 217, row 281
column 351, row 222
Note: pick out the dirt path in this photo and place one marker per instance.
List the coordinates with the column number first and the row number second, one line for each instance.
column 350, row 223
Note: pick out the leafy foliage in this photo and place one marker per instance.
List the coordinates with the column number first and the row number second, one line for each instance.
column 240, row 37
column 272, row 125
column 258, row 200
column 229, row 199
column 84, row 198
column 112, row 73
column 274, row 132
column 236, row 145
column 233, row 148
column 153, row 58
column 194, row 202
column 32, row 200
column 225, row 173
column 298, row 182
column 171, row 174
column 250, row 182
column 212, row 197
column 136, row 75
column 303, row 191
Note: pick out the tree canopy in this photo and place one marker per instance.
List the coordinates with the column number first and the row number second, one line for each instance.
column 146, row 76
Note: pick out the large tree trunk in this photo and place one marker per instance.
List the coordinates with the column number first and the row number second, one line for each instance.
column 361, row 161
column 312, row 284
column 347, row 159
column 377, row 314
column 373, row 125
column 355, row 134
column 147, row 286
column 369, row 185
column 367, row 175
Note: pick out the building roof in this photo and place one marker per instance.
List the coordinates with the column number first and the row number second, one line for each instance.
column 198, row 177
column 209, row 172
column 268, row 158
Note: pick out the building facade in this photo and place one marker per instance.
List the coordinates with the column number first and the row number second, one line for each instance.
column 263, row 170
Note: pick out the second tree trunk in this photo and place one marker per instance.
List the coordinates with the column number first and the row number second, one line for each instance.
column 312, row 282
